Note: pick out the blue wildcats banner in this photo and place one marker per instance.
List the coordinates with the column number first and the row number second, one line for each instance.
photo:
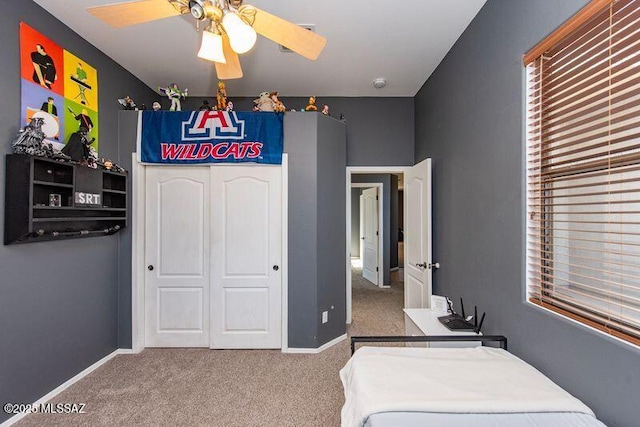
column 193, row 137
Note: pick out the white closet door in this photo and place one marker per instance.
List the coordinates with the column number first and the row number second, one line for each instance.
column 177, row 256
column 417, row 236
column 246, row 264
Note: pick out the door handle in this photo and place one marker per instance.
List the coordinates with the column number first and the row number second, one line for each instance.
column 362, row 238
column 421, row 265
column 150, row 267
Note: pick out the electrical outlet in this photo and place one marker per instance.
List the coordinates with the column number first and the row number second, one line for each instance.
column 325, row 316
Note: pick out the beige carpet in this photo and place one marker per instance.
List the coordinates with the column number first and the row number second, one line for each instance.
column 231, row 387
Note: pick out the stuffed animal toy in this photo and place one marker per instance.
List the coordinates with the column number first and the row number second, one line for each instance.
column 278, row 106
column 222, row 96
column 325, row 110
column 264, row 103
column 230, row 106
column 312, row 104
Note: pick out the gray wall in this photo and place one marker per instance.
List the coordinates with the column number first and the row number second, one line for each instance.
column 317, row 271
column 331, row 229
column 127, row 131
column 470, row 121
column 380, row 131
column 58, row 300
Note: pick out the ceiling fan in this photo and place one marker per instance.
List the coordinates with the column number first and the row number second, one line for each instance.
column 230, row 28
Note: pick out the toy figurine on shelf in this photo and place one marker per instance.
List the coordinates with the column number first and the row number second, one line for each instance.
column 92, row 158
column 312, row 104
column 110, row 165
column 205, row 106
column 264, row 102
column 174, row 93
column 230, row 106
column 222, row 96
column 278, row 106
column 156, row 106
column 127, row 103
column 325, row 110
column 31, row 141
column 78, row 146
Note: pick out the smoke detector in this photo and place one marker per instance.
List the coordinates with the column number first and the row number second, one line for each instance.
column 379, row 83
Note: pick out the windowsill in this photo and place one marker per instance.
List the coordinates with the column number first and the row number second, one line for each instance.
column 583, row 326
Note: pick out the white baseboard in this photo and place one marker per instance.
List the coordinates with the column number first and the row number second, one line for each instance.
column 394, row 269
column 62, row 387
column 320, row 349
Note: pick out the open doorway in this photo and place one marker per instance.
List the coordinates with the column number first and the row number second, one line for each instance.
column 381, row 185
column 367, row 230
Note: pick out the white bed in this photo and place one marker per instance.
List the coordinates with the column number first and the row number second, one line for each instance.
column 481, row 386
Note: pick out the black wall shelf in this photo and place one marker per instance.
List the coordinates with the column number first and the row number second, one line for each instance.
column 92, row 202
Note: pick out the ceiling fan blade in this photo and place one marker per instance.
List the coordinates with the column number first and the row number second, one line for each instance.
column 121, row 15
column 232, row 69
column 298, row 39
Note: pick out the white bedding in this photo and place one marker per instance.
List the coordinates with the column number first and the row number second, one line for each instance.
column 440, row 380
column 426, row 419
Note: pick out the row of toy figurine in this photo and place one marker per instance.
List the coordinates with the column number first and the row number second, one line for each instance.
column 312, row 106
column 31, row 141
column 222, row 104
column 267, row 101
column 128, row 104
column 172, row 92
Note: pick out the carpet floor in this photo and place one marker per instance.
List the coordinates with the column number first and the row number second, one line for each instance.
column 228, row 388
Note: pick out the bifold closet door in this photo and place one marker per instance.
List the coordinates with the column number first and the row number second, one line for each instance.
column 246, row 264
column 177, row 231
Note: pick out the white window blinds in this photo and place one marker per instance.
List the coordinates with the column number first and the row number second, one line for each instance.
column 583, row 171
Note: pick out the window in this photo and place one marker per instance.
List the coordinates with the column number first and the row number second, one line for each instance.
column 583, row 169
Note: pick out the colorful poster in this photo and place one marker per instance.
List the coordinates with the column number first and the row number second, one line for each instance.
column 192, row 137
column 80, row 81
column 59, row 87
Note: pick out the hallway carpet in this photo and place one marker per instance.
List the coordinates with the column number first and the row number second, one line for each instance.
column 167, row 387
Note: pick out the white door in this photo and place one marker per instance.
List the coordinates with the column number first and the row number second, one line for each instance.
column 417, row 236
column 247, row 264
column 361, row 233
column 177, row 256
column 370, row 250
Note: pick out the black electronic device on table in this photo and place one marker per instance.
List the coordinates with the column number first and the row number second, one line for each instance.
column 459, row 323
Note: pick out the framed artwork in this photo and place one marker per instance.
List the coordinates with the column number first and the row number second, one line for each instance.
column 57, row 86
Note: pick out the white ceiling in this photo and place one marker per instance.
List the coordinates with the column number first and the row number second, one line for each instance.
column 400, row 41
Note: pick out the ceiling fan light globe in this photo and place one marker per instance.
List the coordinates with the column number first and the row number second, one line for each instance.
column 242, row 37
column 211, row 47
